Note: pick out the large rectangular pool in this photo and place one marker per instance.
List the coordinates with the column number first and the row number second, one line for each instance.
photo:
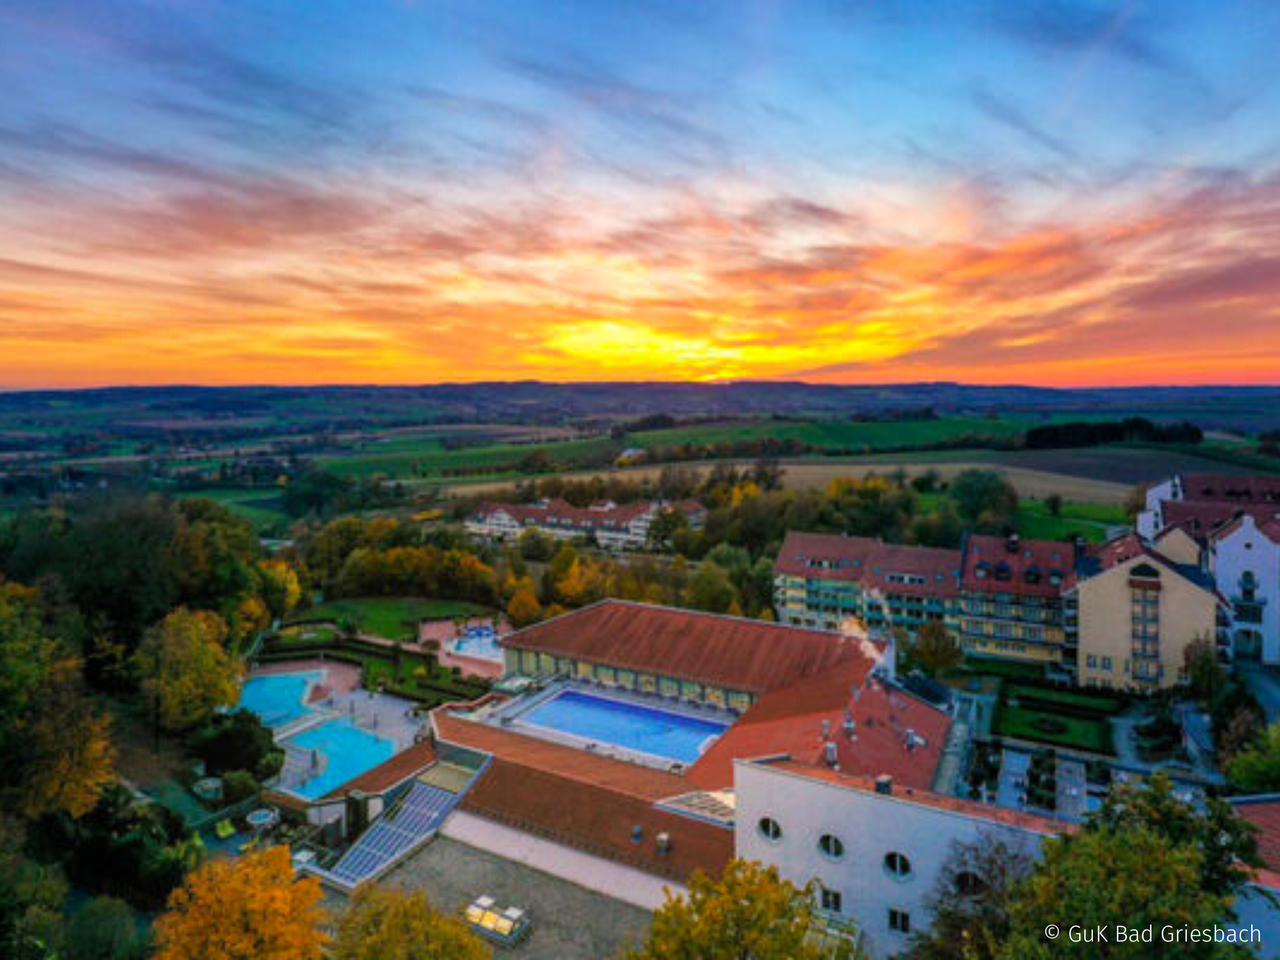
column 632, row 726
column 345, row 750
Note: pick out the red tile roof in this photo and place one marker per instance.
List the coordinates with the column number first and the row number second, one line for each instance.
column 1205, row 518
column 1267, row 521
column 1225, row 487
column 939, row 801
column 1016, row 565
column 870, row 562
column 789, row 721
column 1265, row 815
column 597, row 820
column 731, row 652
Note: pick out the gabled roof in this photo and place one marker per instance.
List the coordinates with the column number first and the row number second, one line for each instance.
column 1267, row 523
column 1037, row 568
column 870, row 562
column 1121, row 550
column 1230, row 488
column 1263, row 811
column 736, row 653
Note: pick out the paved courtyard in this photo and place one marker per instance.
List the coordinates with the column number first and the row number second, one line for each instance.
column 570, row 922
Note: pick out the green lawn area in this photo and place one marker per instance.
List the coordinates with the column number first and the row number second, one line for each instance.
column 1068, row 698
column 259, row 506
column 426, row 456
column 1053, row 728
column 392, row 618
column 1089, row 520
column 1003, row 668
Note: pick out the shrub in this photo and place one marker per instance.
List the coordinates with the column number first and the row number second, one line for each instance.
column 238, row 785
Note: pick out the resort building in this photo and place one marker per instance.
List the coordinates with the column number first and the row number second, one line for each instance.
column 1011, row 599
column 821, row 580
column 1245, row 560
column 1201, row 500
column 613, row 526
column 617, row 726
column 876, row 847
column 1135, row 611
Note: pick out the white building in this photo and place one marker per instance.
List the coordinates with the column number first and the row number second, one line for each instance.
column 1245, row 559
column 613, row 526
column 877, row 849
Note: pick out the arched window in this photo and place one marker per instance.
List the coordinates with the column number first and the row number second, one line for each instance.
column 897, row 865
column 831, row 846
column 769, row 829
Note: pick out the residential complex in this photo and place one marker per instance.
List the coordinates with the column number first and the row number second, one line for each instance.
column 613, row 526
column 1119, row 614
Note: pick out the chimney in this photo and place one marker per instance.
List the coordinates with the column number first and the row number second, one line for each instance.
column 884, row 784
column 1013, row 543
column 829, row 752
column 849, row 725
column 826, row 729
column 664, row 843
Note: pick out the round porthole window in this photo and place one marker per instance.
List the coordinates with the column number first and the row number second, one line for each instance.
column 897, row 865
column 769, row 829
column 831, row 846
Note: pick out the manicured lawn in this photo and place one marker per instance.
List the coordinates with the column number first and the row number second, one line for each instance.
column 1068, row 698
column 1088, row 520
column 1003, row 668
column 1057, row 729
column 392, row 618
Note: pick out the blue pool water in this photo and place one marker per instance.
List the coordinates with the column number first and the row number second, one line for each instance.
column 629, row 725
column 349, row 751
column 480, row 642
column 279, row 698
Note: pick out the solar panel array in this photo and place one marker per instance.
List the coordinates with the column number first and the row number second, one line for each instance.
column 416, row 818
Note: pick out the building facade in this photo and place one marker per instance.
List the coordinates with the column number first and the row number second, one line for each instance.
column 613, row 526
column 1011, row 599
column 876, row 849
column 1137, row 612
column 1245, row 559
column 821, row 580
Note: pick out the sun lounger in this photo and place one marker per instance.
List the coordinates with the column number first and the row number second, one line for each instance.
column 224, row 830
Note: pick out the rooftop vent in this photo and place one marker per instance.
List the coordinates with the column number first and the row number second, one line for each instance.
column 884, row 784
column 664, row 843
column 637, row 833
column 826, row 729
column 830, row 754
column 1013, row 543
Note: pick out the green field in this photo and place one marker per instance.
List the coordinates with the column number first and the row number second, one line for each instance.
column 260, row 507
column 1077, row 733
column 426, row 456
column 391, row 618
column 836, row 434
column 1089, row 520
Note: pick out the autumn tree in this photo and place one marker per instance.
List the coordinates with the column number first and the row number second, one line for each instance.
column 55, row 748
column 1099, row 878
column 748, row 913
column 1256, row 767
column 972, row 900
column 105, row 929
column 31, row 900
column 524, row 608
column 243, row 909
column 935, row 650
column 1205, row 674
column 184, row 670
column 386, row 923
column 985, row 499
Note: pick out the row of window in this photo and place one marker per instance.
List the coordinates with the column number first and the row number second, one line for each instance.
column 896, row 864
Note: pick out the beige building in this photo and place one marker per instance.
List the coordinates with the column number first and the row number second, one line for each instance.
column 1137, row 611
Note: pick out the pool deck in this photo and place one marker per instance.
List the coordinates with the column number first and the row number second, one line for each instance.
column 444, row 632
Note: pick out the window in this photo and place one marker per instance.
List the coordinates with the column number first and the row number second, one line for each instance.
column 897, row 865
column 830, row 900
column 769, row 829
column 1091, row 661
column 1106, row 664
column 899, row 920
column 831, row 847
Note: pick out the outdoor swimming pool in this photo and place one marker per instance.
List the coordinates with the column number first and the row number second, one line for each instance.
column 632, row 726
column 479, row 642
column 348, row 750
column 280, row 698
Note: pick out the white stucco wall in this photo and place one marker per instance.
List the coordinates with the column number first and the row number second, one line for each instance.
column 869, row 826
column 1245, row 549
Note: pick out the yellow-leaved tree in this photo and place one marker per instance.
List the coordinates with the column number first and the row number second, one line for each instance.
column 387, row 923
column 748, row 913
column 246, row 909
column 184, row 670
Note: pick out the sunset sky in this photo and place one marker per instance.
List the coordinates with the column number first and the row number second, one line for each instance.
column 324, row 191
